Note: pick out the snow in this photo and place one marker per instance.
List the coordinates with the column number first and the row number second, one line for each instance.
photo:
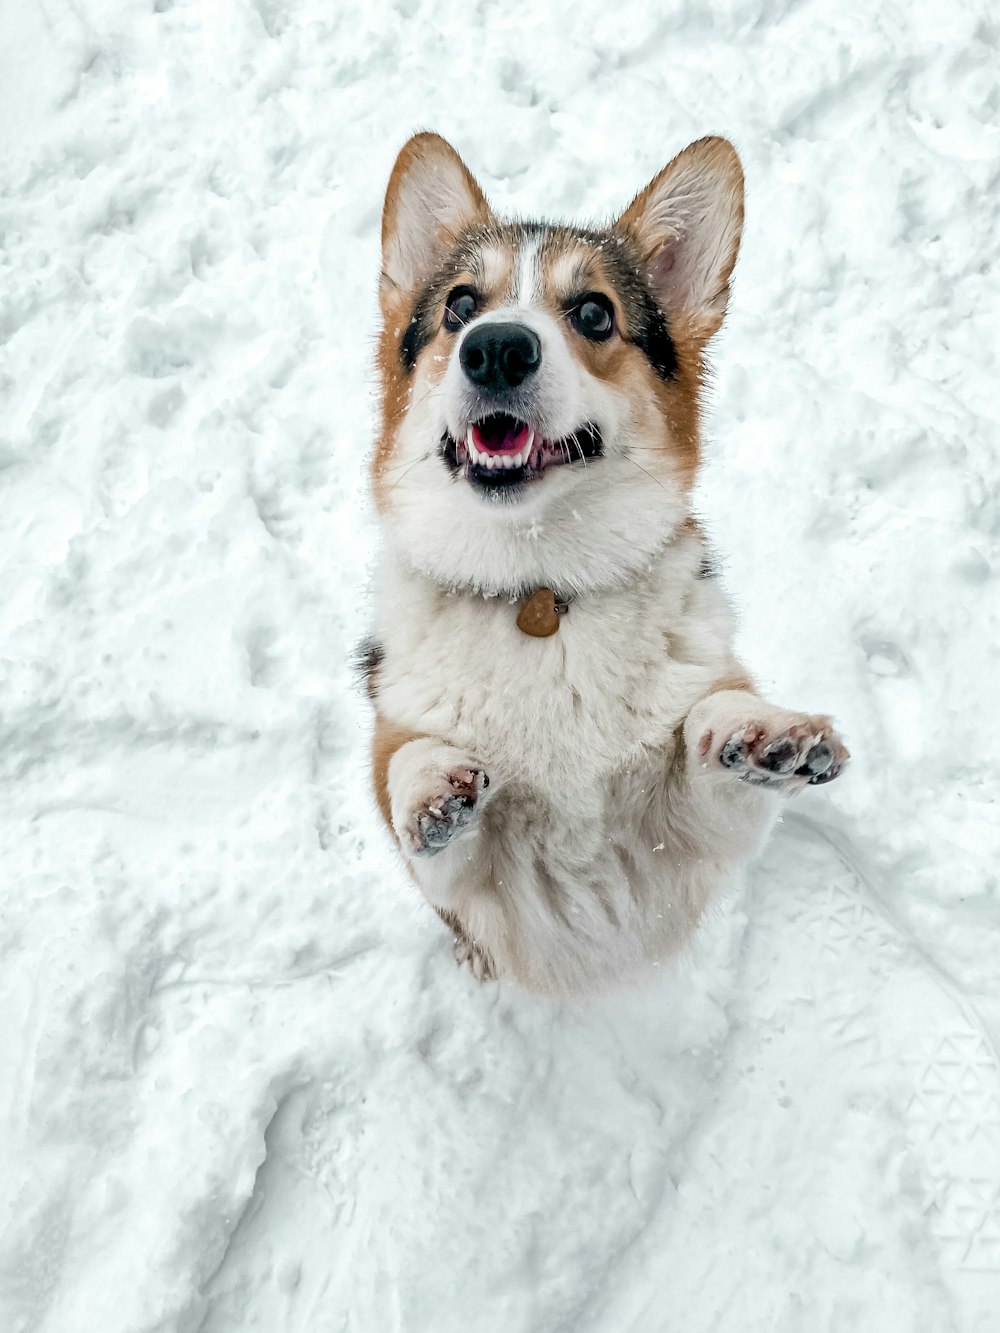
column 242, row 1084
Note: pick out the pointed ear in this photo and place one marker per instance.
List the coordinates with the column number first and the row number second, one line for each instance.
column 686, row 225
column 430, row 200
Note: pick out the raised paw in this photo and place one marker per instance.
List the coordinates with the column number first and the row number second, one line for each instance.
column 783, row 754
column 444, row 806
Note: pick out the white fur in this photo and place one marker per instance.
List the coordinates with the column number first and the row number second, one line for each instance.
column 603, row 840
column 526, row 283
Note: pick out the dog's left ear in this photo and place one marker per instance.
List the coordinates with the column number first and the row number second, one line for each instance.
column 686, row 224
column 432, row 197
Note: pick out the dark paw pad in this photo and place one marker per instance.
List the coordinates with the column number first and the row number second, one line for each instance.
column 439, row 823
column 823, row 763
column 781, row 756
column 803, row 753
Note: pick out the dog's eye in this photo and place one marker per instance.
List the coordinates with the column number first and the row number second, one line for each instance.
column 593, row 315
column 459, row 308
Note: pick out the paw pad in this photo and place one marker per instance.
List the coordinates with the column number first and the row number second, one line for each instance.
column 439, row 823
column 450, row 809
column 804, row 753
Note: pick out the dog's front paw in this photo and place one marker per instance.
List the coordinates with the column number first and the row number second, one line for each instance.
column 785, row 753
column 441, row 806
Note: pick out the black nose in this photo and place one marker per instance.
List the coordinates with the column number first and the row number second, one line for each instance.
column 499, row 357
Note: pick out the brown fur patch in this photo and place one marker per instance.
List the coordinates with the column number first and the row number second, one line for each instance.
column 738, row 680
column 388, row 738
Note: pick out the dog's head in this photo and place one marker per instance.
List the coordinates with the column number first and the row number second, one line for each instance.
column 540, row 412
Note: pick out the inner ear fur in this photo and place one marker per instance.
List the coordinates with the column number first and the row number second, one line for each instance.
column 686, row 225
column 432, row 197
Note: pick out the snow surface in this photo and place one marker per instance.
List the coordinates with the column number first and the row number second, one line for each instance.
column 242, row 1084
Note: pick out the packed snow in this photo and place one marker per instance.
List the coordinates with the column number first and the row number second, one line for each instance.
column 243, row 1085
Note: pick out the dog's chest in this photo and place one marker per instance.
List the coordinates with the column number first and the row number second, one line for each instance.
column 572, row 707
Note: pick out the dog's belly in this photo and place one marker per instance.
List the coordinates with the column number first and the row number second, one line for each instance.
column 567, row 889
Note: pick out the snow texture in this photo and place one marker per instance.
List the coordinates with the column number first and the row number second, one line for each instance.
column 242, row 1084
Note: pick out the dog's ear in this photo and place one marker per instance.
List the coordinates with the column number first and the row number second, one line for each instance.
column 686, row 225
column 432, row 197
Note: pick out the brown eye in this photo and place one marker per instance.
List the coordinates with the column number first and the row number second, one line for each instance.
column 593, row 315
column 460, row 307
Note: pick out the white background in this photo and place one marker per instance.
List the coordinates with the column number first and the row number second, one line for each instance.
column 242, row 1084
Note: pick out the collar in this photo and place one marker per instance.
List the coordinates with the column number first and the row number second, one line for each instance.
column 539, row 610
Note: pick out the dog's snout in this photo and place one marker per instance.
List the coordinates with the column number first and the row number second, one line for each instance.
column 498, row 357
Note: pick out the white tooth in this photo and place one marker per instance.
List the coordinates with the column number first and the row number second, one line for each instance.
column 468, row 437
column 520, row 459
column 490, row 462
column 507, row 461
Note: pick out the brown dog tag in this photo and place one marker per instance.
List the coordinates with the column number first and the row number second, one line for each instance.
column 538, row 616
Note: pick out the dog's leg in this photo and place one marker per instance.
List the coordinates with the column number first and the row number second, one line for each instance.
column 429, row 792
column 740, row 755
column 431, row 795
column 436, row 794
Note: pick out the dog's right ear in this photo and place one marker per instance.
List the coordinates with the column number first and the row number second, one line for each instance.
column 431, row 199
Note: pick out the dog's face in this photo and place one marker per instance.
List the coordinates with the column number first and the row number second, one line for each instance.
column 541, row 383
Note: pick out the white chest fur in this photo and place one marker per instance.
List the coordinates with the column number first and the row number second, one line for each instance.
column 612, row 683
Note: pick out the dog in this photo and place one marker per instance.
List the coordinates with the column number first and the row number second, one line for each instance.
column 568, row 754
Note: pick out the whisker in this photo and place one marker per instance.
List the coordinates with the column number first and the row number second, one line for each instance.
column 423, row 458
column 642, row 469
column 382, row 471
column 427, row 390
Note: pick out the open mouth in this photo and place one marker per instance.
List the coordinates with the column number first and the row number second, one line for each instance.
column 501, row 453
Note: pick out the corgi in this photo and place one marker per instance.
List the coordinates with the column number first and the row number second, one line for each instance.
column 570, row 758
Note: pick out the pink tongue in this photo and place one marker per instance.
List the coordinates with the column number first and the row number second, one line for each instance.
column 511, row 442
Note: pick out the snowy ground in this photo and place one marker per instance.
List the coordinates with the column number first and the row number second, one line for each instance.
column 242, row 1085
